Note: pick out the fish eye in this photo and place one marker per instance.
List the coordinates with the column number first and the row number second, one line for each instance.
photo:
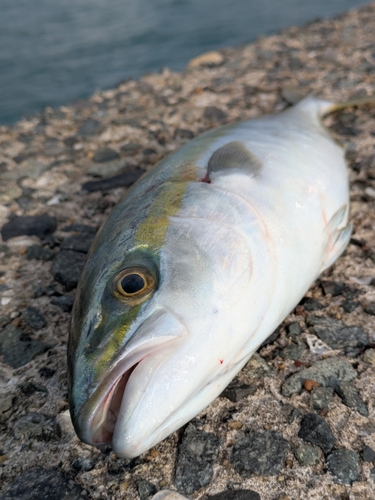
column 134, row 285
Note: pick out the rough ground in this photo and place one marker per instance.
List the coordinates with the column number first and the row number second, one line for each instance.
column 281, row 440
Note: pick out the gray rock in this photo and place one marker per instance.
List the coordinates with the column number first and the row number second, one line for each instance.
column 236, row 391
column 89, row 127
column 271, row 339
column 294, row 330
column 79, row 242
column 337, row 335
column 370, row 309
column 372, row 474
column 260, row 453
column 36, row 252
column 328, row 372
column 35, row 318
column 333, row 288
column 131, row 148
column 105, row 154
column 18, row 348
column 125, row 179
column 196, row 455
column 321, row 397
column 107, row 168
column 307, row 454
column 315, row 430
column 214, row 114
column 80, row 228
column 67, row 268
column 36, row 426
column 145, row 489
column 350, row 397
column 83, row 464
column 293, row 351
column 235, row 495
column 28, row 388
column 368, row 454
column 65, row 302
column 311, row 304
column 42, row 484
column 257, row 367
column 38, row 225
column 344, row 464
column 349, row 305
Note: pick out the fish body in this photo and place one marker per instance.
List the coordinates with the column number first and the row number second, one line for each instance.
column 196, row 266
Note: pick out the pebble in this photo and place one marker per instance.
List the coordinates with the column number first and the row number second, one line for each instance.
column 105, row 154
column 83, row 464
column 106, row 169
column 327, row 372
column 168, row 495
column 236, row 495
column 370, row 309
column 42, row 484
column 145, row 489
column 271, row 339
column 307, row 454
column 17, row 348
column 196, row 456
column 321, row 397
column 260, row 453
column 368, row 454
column 349, row 305
column 38, row 225
column 131, row 148
column 80, row 228
column 35, row 318
column 214, row 114
column 369, row 356
column 236, row 391
column 36, row 426
column 212, row 58
column 336, row 334
column 36, row 252
column 79, row 242
column 125, row 179
column 310, row 304
column 89, row 127
column 294, row 350
column 257, row 367
column 294, row 330
column 315, row 430
column 28, row 388
column 67, row 268
column 350, row 397
column 65, row 302
column 344, row 464
column 333, row 288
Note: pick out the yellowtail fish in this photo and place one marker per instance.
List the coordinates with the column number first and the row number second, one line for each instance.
column 196, row 266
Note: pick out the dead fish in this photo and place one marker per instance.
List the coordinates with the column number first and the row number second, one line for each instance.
column 201, row 260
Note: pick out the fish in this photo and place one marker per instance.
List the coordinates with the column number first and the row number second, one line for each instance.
column 196, row 266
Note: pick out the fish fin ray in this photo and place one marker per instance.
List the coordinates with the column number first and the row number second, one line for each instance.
column 234, row 155
column 338, row 238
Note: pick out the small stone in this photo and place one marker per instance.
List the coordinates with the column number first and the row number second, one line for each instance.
column 38, row 484
column 184, row 134
column 236, row 391
column 38, row 225
column 214, row 114
column 321, row 397
column 125, row 179
column 308, row 455
column 28, row 388
column 294, row 330
column 271, row 339
column 336, row 334
column 118, row 465
column 344, row 464
column 293, row 351
column 316, row 430
column 3, row 458
column 145, row 489
column 212, row 58
column 260, row 453
column 309, row 384
column 196, row 455
column 35, row 318
column 350, row 397
column 292, row 95
column 257, row 367
column 80, row 228
column 67, row 268
column 36, row 252
column 236, row 495
column 105, row 154
column 79, row 242
column 235, row 424
column 65, row 302
column 107, row 169
column 83, row 464
column 294, row 414
column 131, row 148
column 89, row 127
column 372, row 474
column 36, row 426
column 349, row 305
column 368, row 454
column 370, row 309
column 71, row 141
column 17, row 348
column 46, row 372
column 333, row 288
column 64, row 424
column 369, row 356
column 310, row 304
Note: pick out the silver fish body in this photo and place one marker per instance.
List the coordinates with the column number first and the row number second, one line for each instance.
column 196, row 266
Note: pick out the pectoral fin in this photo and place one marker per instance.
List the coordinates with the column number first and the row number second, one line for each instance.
column 338, row 237
column 234, row 155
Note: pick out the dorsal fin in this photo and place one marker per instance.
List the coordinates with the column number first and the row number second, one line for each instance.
column 234, row 155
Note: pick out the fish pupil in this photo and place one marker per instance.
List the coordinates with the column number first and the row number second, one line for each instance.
column 132, row 283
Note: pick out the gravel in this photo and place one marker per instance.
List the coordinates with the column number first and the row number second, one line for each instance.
column 344, row 465
column 315, row 430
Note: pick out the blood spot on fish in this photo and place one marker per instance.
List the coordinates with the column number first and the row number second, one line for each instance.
column 221, row 361
column 206, row 179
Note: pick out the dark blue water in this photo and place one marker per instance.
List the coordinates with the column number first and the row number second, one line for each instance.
column 55, row 51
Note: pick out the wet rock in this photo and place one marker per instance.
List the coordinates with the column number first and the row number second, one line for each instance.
column 333, row 288
column 214, row 114
column 105, row 154
column 83, row 464
column 38, row 225
column 257, row 367
column 370, row 309
column 89, row 127
column 315, row 430
column 42, row 484
column 145, row 489
column 307, row 454
column 344, row 464
column 36, row 426
column 65, row 302
column 17, row 348
column 260, row 453
column 67, row 268
column 125, row 179
column 321, row 397
column 236, row 495
column 79, row 242
column 311, row 304
column 350, row 397
column 327, row 372
column 36, row 252
column 196, row 455
column 368, row 454
column 336, row 334
column 35, row 318
column 237, row 390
